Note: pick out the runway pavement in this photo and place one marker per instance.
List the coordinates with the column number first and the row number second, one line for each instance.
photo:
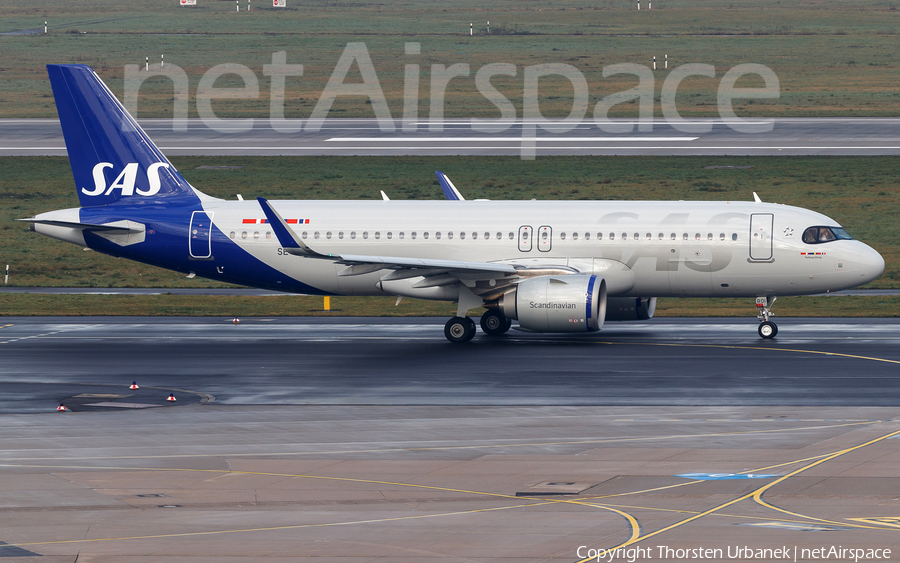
column 699, row 136
column 377, row 440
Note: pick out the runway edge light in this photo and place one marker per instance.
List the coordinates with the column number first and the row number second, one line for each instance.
column 171, row 398
column 133, row 386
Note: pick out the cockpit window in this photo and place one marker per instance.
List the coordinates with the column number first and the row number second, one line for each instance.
column 816, row 235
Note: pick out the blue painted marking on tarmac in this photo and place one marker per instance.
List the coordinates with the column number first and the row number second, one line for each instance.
column 725, row 476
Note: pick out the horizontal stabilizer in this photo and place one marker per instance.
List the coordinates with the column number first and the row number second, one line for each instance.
column 86, row 226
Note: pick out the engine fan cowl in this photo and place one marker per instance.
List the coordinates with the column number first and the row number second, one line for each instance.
column 575, row 303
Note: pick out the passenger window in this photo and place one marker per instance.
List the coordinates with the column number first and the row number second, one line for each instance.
column 474, row 236
column 612, row 236
column 649, row 236
column 599, row 236
column 244, row 234
column 268, row 234
column 697, row 236
column 684, row 236
column 353, row 235
column 315, row 235
column 400, row 236
column 562, row 236
column 721, row 236
column 365, row 234
column 377, row 235
column 500, row 235
column 624, row 236
column 341, row 235
column 587, row 236
column 709, row 236
column 574, row 236
column 733, row 236
column 390, row 235
column 511, row 235
column 437, row 235
column 661, row 236
column 231, row 234
column 304, row 234
column 487, row 236
column 425, row 235
column 462, row 235
column 256, row 235
column 673, row 236
column 637, row 236
column 450, row 234
column 328, row 235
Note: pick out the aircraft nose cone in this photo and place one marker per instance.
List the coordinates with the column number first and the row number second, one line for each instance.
column 871, row 264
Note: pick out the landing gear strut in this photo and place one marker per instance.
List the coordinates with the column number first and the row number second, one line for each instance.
column 459, row 329
column 494, row 323
column 767, row 329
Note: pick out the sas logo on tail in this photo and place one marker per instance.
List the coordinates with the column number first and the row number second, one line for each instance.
column 125, row 180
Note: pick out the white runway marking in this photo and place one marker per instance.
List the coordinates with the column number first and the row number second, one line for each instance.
column 505, row 139
column 270, row 149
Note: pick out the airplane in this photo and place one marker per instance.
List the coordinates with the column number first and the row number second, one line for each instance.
column 552, row 266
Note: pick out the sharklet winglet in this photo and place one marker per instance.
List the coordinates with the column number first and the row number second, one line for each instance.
column 450, row 191
column 287, row 238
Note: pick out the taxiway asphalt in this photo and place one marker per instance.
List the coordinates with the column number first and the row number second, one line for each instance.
column 366, row 361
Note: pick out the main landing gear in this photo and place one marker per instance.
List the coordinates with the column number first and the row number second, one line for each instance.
column 767, row 329
column 494, row 323
column 459, row 329
column 462, row 329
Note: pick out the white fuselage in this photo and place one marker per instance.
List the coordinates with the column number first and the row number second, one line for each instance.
column 644, row 248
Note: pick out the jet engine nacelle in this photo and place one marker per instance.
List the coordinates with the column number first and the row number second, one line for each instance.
column 573, row 303
column 630, row 308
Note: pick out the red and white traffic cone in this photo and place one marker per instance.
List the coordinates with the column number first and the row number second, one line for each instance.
column 61, row 408
column 133, row 385
column 171, row 398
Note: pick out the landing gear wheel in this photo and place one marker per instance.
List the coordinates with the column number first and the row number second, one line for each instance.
column 494, row 324
column 767, row 329
column 459, row 329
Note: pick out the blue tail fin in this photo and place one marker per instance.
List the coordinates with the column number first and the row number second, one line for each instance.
column 112, row 159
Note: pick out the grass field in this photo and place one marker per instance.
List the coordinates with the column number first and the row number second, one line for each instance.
column 858, row 192
column 831, row 57
column 302, row 306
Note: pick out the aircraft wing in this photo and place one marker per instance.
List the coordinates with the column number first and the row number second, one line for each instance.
column 394, row 262
column 361, row 264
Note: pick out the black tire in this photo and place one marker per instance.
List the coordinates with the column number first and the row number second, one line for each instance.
column 494, row 323
column 459, row 329
column 767, row 330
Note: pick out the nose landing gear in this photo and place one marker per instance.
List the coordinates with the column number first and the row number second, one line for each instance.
column 767, row 329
